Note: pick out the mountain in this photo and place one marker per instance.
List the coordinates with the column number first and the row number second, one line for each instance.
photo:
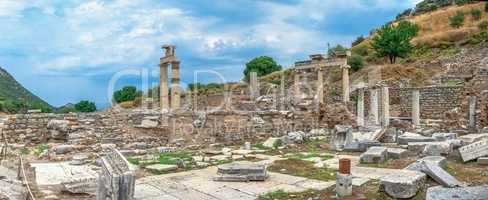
column 15, row 98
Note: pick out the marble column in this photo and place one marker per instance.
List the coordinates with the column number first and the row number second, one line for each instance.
column 360, row 108
column 320, row 86
column 345, row 83
column 163, row 87
column 472, row 112
column 175, row 86
column 254, row 88
column 373, row 106
column 385, row 101
column 416, row 108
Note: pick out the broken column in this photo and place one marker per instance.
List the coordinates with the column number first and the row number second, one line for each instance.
column 385, row 104
column 416, row 108
column 320, row 86
column 344, row 178
column 163, row 87
column 373, row 106
column 254, row 88
column 282, row 92
column 345, row 82
column 472, row 112
column 360, row 108
column 175, row 85
column 117, row 177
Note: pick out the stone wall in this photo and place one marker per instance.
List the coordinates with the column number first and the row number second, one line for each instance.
column 434, row 101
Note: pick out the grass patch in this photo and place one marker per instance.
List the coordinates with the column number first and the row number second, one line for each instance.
column 260, row 146
column 170, row 158
column 302, row 168
column 278, row 194
column 24, row 151
column 39, row 149
column 303, row 156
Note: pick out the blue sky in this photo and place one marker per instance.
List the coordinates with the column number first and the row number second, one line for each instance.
column 66, row 51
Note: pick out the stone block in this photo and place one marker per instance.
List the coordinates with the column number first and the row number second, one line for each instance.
column 459, row 193
column 440, row 175
column 63, row 149
column 418, row 165
column 419, row 147
column 471, row 138
column 374, row 155
column 413, row 137
column 474, row 150
column 402, row 184
column 444, row 136
column 483, row 161
column 272, row 142
column 396, row 153
column 240, row 172
column 161, row 168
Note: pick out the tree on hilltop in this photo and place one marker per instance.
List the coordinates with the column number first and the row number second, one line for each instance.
column 85, row 106
column 394, row 41
column 262, row 65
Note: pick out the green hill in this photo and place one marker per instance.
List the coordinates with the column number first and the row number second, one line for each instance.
column 15, row 98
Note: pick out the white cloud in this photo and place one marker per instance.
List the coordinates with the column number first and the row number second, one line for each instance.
column 11, row 8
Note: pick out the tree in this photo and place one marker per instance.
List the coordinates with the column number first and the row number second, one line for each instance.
column 486, row 7
column 85, row 106
column 356, row 62
column 357, row 41
column 336, row 48
column 476, row 13
column 394, row 41
column 457, row 21
column 262, row 65
column 128, row 93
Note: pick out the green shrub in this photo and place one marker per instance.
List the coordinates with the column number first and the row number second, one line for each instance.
column 85, row 106
column 476, row 13
column 461, row 2
column 486, row 7
column 457, row 21
column 483, row 25
column 262, row 65
column 356, row 62
column 128, row 93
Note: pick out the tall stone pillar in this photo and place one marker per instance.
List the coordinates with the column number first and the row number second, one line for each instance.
column 373, row 106
column 472, row 112
column 254, row 88
column 385, row 101
column 416, row 108
column 360, row 108
column 163, row 87
column 296, row 87
column 345, row 83
column 282, row 92
column 320, row 86
column 175, row 86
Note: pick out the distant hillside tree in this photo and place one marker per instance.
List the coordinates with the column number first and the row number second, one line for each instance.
column 457, row 21
column 483, row 25
column 85, row 106
column 262, row 65
column 476, row 13
column 394, row 41
column 128, row 93
column 336, row 48
column 356, row 62
column 357, row 41
column 486, row 7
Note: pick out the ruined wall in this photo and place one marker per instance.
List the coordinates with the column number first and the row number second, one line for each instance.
column 434, row 101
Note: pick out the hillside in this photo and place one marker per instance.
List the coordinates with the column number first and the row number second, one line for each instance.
column 15, row 98
column 440, row 49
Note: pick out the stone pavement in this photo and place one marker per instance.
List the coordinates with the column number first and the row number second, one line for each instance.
column 198, row 185
column 53, row 174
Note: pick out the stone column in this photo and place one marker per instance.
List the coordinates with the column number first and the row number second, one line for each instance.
column 282, row 92
column 360, row 108
column 472, row 112
column 296, row 87
column 163, row 87
column 175, row 86
column 344, row 178
column 385, row 101
column 373, row 106
column 416, row 108
column 320, row 86
column 345, row 83
column 254, row 88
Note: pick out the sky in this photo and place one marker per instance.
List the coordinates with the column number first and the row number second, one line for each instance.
column 65, row 51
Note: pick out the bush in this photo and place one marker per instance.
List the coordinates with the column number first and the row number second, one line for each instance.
column 128, row 93
column 457, row 21
column 461, row 2
column 85, row 106
column 356, row 62
column 486, row 7
column 476, row 13
column 483, row 25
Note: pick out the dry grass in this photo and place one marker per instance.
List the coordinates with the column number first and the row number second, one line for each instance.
column 435, row 28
